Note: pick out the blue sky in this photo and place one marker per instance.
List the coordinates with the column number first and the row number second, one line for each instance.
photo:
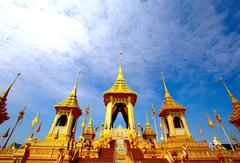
column 49, row 41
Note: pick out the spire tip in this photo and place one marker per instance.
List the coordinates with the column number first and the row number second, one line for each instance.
column 120, row 53
column 167, row 94
column 228, row 91
column 8, row 89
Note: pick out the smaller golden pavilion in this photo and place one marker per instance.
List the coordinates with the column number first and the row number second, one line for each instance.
column 125, row 144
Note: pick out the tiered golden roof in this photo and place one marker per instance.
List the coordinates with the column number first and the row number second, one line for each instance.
column 148, row 129
column 169, row 102
column 3, row 98
column 235, row 117
column 89, row 129
column 71, row 101
column 120, row 86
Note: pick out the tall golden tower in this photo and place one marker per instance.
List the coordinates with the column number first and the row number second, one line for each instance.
column 67, row 113
column 120, row 98
column 3, row 98
column 172, row 114
column 235, row 117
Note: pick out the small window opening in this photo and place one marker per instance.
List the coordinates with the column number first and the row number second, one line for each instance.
column 177, row 122
column 62, row 120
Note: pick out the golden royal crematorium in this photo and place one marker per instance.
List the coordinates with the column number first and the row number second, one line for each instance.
column 128, row 144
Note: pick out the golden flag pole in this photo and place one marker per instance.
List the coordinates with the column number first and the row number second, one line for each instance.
column 154, row 119
column 30, row 132
column 83, row 124
column 164, row 126
column 234, row 138
column 5, row 135
column 224, row 131
column 164, row 129
column 34, row 122
column 20, row 116
column 55, row 137
column 218, row 118
column 161, row 130
column 2, row 141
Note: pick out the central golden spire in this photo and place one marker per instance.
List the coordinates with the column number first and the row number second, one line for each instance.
column 169, row 102
column 120, row 86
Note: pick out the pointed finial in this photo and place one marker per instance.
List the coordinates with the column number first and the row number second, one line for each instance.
column 83, row 123
column 74, row 91
column 120, row 74
column 214, row 111
column 216, row 141
column 147, row 121
column 229, row 93
column 5, row 93
column 160, row 124
column 167, row 94
column 120, row 56
column 90, row 121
